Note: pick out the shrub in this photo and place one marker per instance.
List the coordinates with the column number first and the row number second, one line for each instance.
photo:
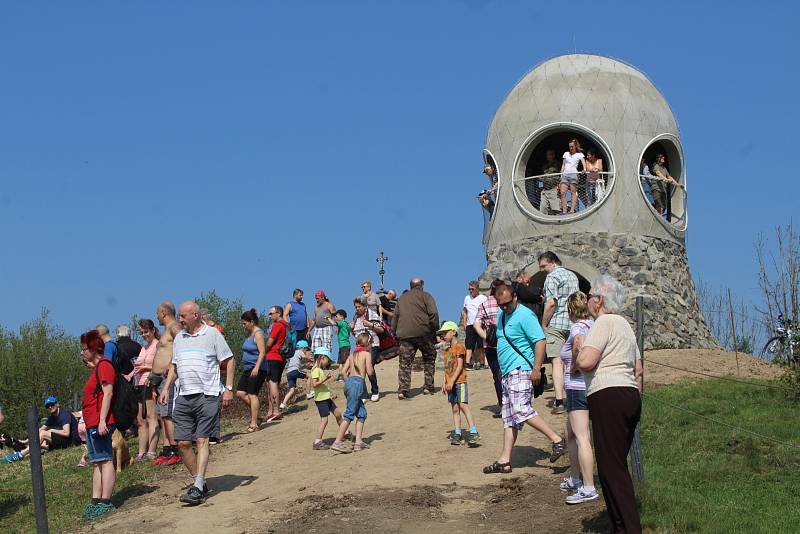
column 39, row 360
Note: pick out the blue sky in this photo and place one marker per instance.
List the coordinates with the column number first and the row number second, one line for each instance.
column 153, row 150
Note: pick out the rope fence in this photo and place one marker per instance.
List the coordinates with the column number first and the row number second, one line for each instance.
column 723, row 423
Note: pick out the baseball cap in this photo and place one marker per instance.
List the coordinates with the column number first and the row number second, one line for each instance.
column 302, row 344
column 447, row 325
column 49, row 401
column 322, row 351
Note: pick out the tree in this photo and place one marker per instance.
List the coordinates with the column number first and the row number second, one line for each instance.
column 779, row 274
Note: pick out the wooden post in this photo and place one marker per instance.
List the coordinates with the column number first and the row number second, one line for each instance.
column 733, row 329
column 637, row 458
column 39, row 503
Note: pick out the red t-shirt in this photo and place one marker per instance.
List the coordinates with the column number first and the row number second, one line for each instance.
column 92, row 398
column 278, row 334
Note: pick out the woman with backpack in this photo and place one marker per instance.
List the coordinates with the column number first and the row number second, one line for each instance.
column 97, row 394
column 276, row 360
column 368, row 321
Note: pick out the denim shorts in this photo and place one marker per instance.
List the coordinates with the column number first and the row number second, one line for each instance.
column 293, row 376
column 99, row 448
column 576, row 400
column 354, row 390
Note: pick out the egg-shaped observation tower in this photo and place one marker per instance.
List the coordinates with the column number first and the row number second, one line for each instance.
column 619, row 206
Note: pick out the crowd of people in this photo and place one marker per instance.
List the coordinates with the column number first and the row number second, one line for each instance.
column 184, row 375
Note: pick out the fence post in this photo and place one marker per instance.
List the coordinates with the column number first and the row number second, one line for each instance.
column 637, row 460
column 733, row 328
column 39, row 503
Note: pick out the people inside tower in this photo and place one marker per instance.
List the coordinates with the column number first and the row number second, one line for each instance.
column 486, row 198
column 594, row 167
column 550, row 203
column 569, row 176
column 645, row 178
column 668, row 183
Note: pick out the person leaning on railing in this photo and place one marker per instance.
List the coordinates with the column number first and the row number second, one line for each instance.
column 612, row 368
column 550, row 202
column 667, row 183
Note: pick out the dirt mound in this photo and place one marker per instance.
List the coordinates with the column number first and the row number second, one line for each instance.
column 668, row 366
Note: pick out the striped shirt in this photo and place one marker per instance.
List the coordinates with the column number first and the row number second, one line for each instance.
column 197, row 358
column 558, row 286
column 487, row 314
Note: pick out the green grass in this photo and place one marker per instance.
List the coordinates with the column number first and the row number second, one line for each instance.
column 704, row 477
column 68, row 488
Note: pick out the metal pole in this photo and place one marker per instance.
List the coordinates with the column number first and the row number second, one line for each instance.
column 733, row 328
column 637, row 458
column 40, row 505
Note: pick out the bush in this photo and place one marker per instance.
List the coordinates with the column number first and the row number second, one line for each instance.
column 791, row 381
column 39, row 360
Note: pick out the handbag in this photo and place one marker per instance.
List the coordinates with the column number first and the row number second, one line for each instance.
column 538, row 389
column 491, row 331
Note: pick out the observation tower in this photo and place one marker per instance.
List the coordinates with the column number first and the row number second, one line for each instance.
column 630, row 218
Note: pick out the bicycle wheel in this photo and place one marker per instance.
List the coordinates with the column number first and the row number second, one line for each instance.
column 775, row 349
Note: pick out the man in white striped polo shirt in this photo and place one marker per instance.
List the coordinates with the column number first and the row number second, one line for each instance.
column 198, row 351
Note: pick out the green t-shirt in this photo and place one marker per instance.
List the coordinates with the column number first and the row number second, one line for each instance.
column 552, row 168
column 322, row 392
column 344, row 333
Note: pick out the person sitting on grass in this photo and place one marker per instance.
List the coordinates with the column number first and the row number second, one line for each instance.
column 322, row 394
column 357, row 367
column 455, row 384
column 59, row 431
column 294, row 370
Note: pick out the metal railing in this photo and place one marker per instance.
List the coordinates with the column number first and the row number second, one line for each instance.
column 661, row 194
column 564, row 194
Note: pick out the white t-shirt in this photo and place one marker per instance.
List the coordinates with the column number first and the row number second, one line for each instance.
column 473, row 305
column 571, row 161
column 197, row 358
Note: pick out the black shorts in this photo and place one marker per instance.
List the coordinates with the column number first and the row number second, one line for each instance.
column 473, row 340
column 143, row 393
column 325, row 407
column 250, row 385
column 275, row 370
column 59, row 442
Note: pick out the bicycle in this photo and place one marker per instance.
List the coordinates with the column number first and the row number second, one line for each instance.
column 784, row 346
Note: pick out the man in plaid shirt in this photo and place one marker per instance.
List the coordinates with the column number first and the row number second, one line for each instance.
column 558, row 286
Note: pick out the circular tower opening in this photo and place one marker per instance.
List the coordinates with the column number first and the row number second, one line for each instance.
column 540, row 187
column 662, row 180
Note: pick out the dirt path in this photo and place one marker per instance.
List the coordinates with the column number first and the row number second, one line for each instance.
column 411, row 480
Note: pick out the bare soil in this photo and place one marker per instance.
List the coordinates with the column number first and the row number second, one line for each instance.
column 410, row 480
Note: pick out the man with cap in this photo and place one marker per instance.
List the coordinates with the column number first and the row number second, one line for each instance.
column 323, row 322
column 59, row 431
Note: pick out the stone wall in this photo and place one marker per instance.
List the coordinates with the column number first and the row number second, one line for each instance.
column 654, row 268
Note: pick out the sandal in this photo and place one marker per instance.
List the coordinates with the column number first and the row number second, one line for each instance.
column 251, row 429
column 360, row 446
column 497, row 467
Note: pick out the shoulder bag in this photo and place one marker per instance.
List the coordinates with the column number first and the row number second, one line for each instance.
column 538, row 389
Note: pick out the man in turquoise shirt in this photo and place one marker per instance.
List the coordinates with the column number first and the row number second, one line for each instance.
column 520, row 352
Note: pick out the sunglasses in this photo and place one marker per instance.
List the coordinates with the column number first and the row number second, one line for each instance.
column 505, row 304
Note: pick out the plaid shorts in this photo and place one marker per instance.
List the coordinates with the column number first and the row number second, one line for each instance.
column 323, row 337
column 517, row 398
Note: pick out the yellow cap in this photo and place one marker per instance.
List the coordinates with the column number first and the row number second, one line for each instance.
column 447, row 325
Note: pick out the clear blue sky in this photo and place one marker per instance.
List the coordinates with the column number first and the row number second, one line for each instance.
column 153, row 150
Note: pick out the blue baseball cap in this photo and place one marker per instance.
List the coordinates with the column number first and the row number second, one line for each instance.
column 322, row 351
column 302, row 344
column 49, row 401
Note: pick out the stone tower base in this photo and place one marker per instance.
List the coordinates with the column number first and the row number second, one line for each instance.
column 654, row 268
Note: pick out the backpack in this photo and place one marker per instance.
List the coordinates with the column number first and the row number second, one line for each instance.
column 124, row 405
column 388, row 343
column 286, row 349
column 127, row 351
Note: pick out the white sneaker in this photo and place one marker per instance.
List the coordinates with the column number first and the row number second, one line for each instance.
column 283, row 406
column 310, row 395
column 570, row 484
column 375, row 397
column 582, row 495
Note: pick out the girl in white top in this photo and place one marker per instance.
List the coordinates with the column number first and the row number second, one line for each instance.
column 569, row 175
column 579, row 444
